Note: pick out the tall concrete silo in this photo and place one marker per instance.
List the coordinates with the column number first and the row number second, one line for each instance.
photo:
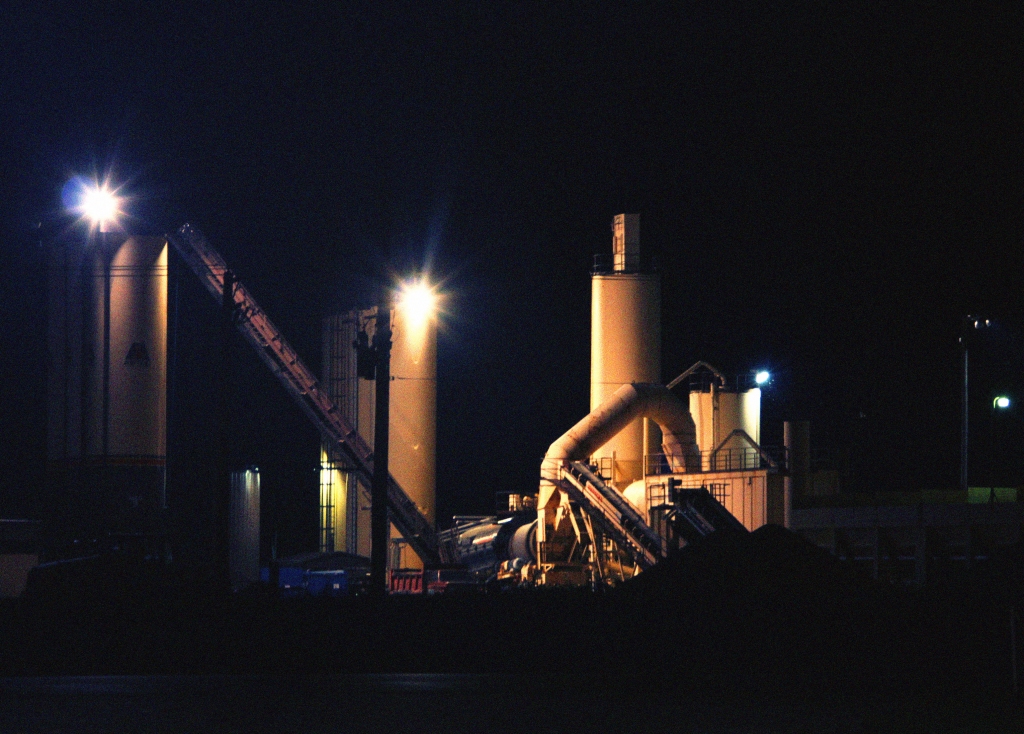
column 244, row 531
column 344, row 502
column 107, row 382
column 625, row 344
column 413, row 437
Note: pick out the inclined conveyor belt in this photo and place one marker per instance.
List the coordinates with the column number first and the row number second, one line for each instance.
column 612, row 513
column 302, row 385
column 697, row 514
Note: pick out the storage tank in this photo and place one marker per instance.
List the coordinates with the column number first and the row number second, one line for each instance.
column 244, row 547
column 344, row 503
column 108, row 382
column 717, row 411
column 413, row 420
column 625, row 345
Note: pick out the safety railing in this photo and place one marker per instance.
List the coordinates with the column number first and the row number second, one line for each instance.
column 746, row 458
column 632, row 263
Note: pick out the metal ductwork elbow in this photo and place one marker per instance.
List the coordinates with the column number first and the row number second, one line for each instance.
column 636, row 400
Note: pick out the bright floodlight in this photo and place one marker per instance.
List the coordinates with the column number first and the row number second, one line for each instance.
column 99, row 205
column 762, row 377
column 1001, row 402
column 418, row 300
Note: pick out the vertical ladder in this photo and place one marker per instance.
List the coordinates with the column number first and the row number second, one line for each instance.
column 301, row 384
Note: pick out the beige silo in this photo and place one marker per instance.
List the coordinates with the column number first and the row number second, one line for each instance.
column 345, row 502
column 625, row 345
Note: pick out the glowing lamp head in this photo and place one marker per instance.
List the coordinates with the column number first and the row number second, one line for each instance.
column 99, row 205
column 1002, row 402
column 762, row 377
column 418, row 301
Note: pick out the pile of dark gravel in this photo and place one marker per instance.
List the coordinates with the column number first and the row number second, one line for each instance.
column 769, row 611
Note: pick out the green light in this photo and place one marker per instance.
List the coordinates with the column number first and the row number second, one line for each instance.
column 1002, row 402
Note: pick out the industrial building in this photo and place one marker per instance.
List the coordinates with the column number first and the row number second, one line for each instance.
column 653, row 466
column 650, row 468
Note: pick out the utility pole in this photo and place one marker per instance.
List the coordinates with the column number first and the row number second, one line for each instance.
column 222, row 513
column 968, row 325
column 379, row 488
column 108, row 258
column 963, row 418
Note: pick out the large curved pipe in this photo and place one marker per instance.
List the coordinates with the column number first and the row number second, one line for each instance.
column 638, row 400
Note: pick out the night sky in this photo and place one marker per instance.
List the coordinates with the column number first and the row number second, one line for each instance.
column 828, row 189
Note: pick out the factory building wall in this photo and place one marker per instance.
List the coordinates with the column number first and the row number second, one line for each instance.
column 752, row 497
column 338, row 488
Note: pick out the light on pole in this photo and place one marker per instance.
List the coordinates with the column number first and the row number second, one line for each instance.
column 969, row 324
column 1000, row 402
column 381, row 437
column 100, row 206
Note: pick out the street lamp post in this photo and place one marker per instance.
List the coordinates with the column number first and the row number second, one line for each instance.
column 101, row 207
column 970, row 323
column 379, row 488
column 1000, row 402
column 963, row 417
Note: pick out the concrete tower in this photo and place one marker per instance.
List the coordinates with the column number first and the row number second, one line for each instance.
column 625, row 345
column 344, row 503
column 107, row 384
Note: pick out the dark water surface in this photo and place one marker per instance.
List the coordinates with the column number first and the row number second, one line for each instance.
column 382, row 703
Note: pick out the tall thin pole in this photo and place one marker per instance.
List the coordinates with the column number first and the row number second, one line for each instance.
column 1013, row 648
column 379, row 489
column 992, row 454
column 105, row 427
column 963, row 419
column 222, row 514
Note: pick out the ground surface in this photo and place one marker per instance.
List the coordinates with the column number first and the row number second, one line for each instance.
column 758, row 632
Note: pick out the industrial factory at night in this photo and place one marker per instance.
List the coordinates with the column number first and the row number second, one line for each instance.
column 655, row 466
column 511, row 367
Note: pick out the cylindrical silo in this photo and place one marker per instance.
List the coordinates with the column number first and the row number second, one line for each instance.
column 625, row 345
column 413, row 420
column 109, row 388
column 244, row 546
column 344, row 505
column 717, row 412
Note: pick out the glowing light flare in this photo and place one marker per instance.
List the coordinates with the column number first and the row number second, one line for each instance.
column 97, row 202
column 99, row 205
column 1002, row 402
column 418, row 301
column 417, row 307
column 762, row 377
